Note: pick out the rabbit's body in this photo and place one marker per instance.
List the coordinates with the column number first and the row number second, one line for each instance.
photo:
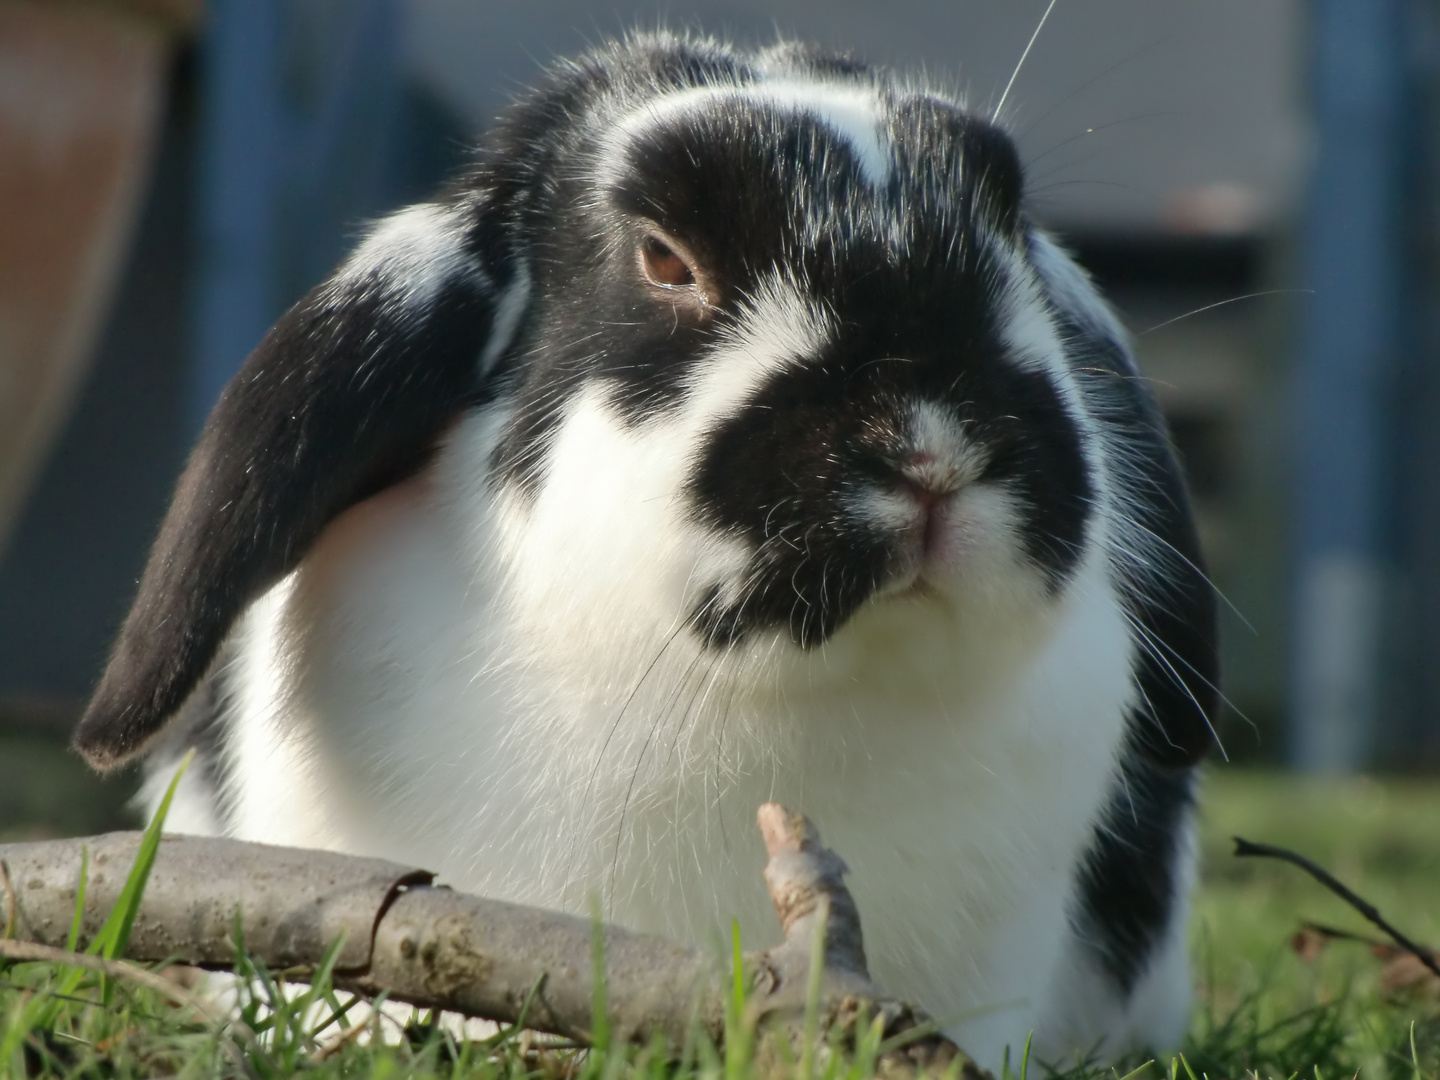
column 780, row 458
column 930, row 756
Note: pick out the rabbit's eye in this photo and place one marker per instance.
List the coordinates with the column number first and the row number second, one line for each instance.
column 663, row 267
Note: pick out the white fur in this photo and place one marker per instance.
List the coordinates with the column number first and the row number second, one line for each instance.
column 954, row 459
column 192, row 810
column 409, row 256
column 508, row 312
column 850, row 112
column 921, row 740
column 781, row 327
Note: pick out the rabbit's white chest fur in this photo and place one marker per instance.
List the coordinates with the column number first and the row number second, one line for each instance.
column 488, row 697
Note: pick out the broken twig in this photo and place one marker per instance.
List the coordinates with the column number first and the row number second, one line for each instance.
column 1244, row 848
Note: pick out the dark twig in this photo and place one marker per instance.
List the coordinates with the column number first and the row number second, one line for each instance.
column 1245, row 848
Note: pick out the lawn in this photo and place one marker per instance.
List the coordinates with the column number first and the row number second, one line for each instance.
column 1261, row 1008
column 1382, row 838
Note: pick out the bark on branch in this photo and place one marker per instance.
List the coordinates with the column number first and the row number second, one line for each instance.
column 432, row 947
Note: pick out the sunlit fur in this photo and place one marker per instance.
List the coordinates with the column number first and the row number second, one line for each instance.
column 504, row 685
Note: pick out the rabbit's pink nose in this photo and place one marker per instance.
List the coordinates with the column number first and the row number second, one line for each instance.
column 926, row 479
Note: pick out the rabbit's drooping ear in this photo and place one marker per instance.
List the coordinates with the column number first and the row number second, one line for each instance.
column 346, row 395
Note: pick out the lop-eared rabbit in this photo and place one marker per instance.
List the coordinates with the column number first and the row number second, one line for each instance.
column 727, row 432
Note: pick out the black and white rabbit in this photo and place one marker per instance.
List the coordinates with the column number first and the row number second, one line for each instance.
column 728, row 432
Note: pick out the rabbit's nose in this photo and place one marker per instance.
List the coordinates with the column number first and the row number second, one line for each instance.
column 927, row 479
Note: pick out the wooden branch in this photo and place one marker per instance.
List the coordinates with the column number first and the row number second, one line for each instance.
column 1246, row 848
column 436, row 948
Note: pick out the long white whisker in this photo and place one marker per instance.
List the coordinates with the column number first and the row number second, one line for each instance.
column 660, row 718
column 1016, row 73
column 1154, row 645
column 1223, row 303
column 1195, row 569
column 599, row 758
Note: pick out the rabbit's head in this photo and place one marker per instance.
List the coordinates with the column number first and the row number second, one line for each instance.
column 785, row 344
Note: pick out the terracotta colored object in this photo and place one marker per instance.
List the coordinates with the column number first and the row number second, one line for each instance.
column 81, row 90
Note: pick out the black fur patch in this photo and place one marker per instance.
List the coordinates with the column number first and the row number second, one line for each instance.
column 782, row 471
column 1127, row 895
column 345, row 396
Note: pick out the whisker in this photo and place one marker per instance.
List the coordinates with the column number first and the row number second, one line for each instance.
column 995, row 116
column 660, row 717
column 1190, row 563
column 605, row 746
column 1223, row 303
column 1097, row 129
column 1074, row 93
column 1153, row 645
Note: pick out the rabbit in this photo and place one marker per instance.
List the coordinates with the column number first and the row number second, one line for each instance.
column 727, row 432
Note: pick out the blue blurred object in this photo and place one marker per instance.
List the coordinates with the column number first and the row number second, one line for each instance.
column 1354, row 257
column 299, row 106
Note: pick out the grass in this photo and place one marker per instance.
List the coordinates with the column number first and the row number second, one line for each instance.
column 1261, row 1009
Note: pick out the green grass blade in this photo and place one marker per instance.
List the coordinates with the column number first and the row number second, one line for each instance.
column 508, row 1034
column 110, row 942
column 1134, row 1073
column 18, row 1026
column 737, row 1030
column 867, row 1046
column 812, row 991
column 112, row 937
column 737, row 987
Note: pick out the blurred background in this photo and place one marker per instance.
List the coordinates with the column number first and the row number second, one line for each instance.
column 1253, row 182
